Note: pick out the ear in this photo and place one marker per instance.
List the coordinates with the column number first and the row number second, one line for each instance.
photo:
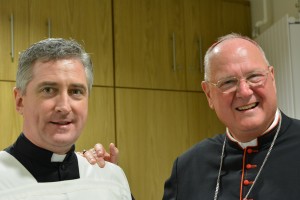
column 18, row 101
column 272, row 73
column 205, row 88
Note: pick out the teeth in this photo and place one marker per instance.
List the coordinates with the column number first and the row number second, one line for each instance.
column 247, row 106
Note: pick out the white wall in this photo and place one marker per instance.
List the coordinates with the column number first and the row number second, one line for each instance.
column 276, row 9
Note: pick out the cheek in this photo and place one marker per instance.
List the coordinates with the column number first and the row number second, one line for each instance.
column 222, row 101
column 82, row 110
column 223, row 106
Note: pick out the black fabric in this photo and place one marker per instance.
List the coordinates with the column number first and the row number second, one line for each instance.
column 38, row 161
column 194, row 174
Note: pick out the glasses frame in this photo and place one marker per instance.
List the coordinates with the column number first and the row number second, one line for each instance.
column 217, row 84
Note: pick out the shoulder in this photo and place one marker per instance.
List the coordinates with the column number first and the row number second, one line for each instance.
column 209, row 144
column 289, row 124
column 12, row 172
column 202, row 152
column 110, row 173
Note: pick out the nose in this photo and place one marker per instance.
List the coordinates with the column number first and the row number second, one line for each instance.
column 243, row 89
column 63, row 104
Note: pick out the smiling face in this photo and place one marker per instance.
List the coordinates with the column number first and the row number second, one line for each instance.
column 248, row 111
column 55, row 104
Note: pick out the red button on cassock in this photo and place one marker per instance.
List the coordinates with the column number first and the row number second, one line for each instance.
column 249, row 166
column 246, row 182
column 249, row 150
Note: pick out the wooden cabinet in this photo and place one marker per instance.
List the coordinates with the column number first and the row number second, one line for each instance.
column 11, row 121
column 89, row 22
column 200, row 19
column 13, row 35
column 236, row 17
column 151, row 132
column 100, row 126
column 149, row 46
column 153, row 128
column 161, row 44
column 202, row 121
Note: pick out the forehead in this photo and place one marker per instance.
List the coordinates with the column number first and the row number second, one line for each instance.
column 235, row 56
column 61, row 69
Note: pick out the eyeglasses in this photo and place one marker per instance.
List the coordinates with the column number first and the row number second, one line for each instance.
column 253, row 79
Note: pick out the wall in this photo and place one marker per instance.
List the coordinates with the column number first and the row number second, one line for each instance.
column 276, row 9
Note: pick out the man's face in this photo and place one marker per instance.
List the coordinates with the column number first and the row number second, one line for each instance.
column 55, row 104
column 248, row 111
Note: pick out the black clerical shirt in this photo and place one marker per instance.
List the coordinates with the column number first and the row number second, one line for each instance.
column 38, row 161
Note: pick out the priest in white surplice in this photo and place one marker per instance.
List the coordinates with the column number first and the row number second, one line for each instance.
column 53, row 83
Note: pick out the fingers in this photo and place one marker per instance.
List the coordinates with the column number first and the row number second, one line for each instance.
column 99, row 149
column 114, row 153
column 99, row 154
column 89, row 156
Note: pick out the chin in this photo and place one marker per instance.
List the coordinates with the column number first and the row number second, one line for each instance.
column 65, row 138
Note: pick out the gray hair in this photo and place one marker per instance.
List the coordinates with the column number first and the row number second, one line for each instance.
column 231, row 36
column 47, row 50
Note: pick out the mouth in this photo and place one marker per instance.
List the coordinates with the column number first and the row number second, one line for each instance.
column 247, row 107
column 61, row 123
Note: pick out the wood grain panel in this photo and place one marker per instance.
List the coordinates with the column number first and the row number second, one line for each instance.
column 11, row 121
column 236, row 17
column 202, row 121
column 201, row 18
column 151, row 132
column 19, row 9
column 143, row 44
column 100, row 123
column 89, row 22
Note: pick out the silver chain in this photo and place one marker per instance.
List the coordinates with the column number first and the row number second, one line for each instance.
column 259, row 171
column 220, row 169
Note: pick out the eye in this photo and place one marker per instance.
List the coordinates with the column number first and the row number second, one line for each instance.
column 77, row 92
column 256, row 77
column 227, row 83
column 48, row 90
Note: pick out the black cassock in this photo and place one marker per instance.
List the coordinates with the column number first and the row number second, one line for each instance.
column 194, row 174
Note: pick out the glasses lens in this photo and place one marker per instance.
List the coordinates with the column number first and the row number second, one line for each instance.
column 227, row 84
column 253, row 79
column 257, row 78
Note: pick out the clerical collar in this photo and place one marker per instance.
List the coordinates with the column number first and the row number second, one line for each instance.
column 31, row 150
column 57, row 157
column 44, row 165
column 254, row 142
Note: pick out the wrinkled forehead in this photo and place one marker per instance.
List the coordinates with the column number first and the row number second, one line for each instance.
column 236, row 50
column 235, row 56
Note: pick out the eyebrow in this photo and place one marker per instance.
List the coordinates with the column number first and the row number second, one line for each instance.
column 79, row 85
column 50, row 83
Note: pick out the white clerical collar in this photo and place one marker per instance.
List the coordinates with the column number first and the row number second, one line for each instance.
column 58, row 158
column 254, row 142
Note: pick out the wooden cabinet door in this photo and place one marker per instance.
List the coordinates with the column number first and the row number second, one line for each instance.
column 236, row 17
column 200, row 18
column 151, row 133
column 13, row 35
column 202, row 121
column 145, row 50
column 100, row 126
column 89, row 22
column 11, row 121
